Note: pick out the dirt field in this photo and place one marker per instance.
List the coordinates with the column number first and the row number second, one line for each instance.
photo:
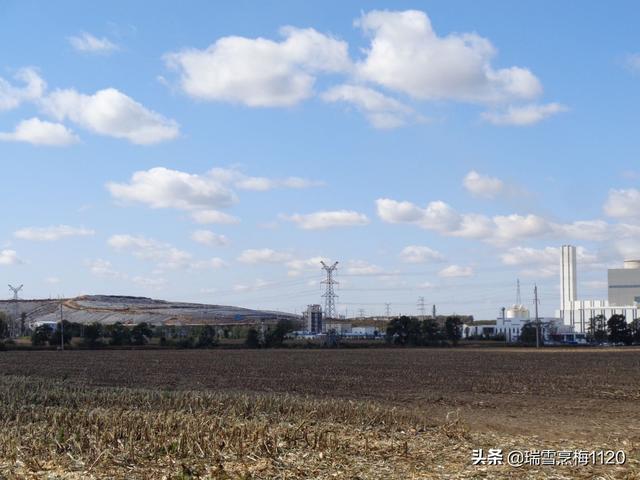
column 493, row 398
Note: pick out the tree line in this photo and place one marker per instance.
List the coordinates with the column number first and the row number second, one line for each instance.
column 615, row 330
column 410, row 331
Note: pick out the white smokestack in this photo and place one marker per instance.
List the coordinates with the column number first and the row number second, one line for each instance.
column 568, row 277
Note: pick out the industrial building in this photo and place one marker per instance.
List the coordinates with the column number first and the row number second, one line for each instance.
column 623, row 293
column 313, row 318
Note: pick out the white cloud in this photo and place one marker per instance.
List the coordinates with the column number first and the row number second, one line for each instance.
column 263, row 255
column 511, row 227
column 624, row 203
column 544, row 262
column 9, row 257
column 11, row 96
column 298, row 266
column 39, row 132
column 482, row 185
column 407, row 55
column 437, row 215
column 112, row 113
column 442, row 218
column 325, row 219
column 203, row 195
column 206, row 217
column 87, row 43
column 102, row 268
column 420, row 254
column 632, row 62
column 260, row 72
column 589, row 230
column 453, row 271
column 361, row 267
column 380, row 110
column 163, row 254
column 153, row 283
column 207, row 237
column 523, row 115
column 257, row 285
column 52, row 233
column 161, row 187
column 214, row 263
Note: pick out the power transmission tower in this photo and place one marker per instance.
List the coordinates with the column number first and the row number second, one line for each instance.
column 13, row 329
column 387, row 310
column 61, row 328
column 433, row 311
column 361, row 312
column 329, row 295
column 536, row 301
column 421, row 309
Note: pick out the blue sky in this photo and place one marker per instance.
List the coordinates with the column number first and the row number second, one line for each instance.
column 216, row 153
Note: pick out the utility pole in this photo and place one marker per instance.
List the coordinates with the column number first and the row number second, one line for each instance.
column 421, row 307
column 535, row 301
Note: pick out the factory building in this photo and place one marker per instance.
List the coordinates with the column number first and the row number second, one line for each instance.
column 511, row 321
column 623, row 293
column 313, row 318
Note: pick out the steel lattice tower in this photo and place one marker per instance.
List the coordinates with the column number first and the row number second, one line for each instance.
column 14, row 327
column 329, row 295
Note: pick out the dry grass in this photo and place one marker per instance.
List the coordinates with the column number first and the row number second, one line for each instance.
column 62, row 429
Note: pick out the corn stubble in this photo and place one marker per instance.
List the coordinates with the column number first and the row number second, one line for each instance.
column 65, row 429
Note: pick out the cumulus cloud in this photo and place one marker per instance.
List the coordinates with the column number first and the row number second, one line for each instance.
column 499, row 229
column 207, row 237
column 263, row 255
column 381, row 111
column 88, row 43
column 52, row 233
column 524, row 115
column 206, row 217
column 112, row 113
column 12, row 96
column 102, row 268
column 297, row 267
column 328, row 219
column 408, row 56
column 212, row 263
column 9, row 257
column 39, row 132
column 163, row 254
column 257, row 285
column 436, row 215
column 453, row 271
column 152, row 283
column 542, row 262
column 161, row 187
column 260, row 72
column 238, row 179
column 632, row 62
column 361, row 267
column 420, row 254
column 202, row 195
column 482, row 185
column 624, row 203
